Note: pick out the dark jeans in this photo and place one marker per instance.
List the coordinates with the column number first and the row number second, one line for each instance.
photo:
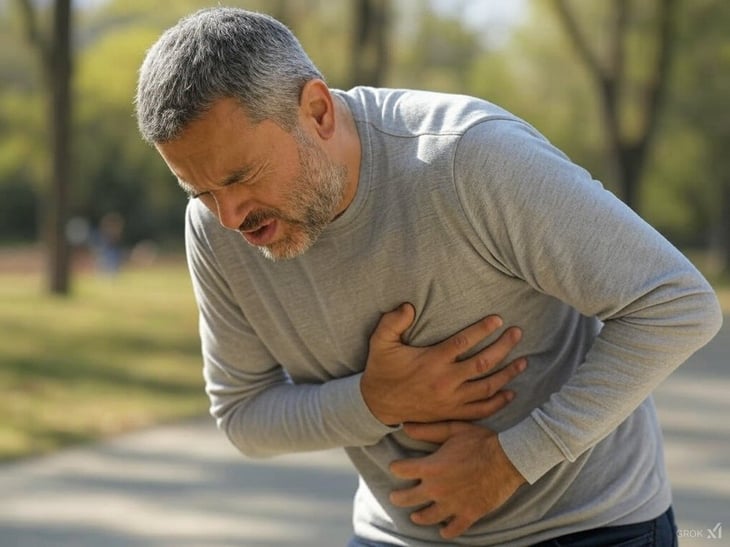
column 660, row 532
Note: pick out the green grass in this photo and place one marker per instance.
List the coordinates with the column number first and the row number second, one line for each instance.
column 723, row 294
column 120, row 353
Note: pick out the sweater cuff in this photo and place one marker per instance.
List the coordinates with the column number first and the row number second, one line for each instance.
column 345, row 402
column 530, row 449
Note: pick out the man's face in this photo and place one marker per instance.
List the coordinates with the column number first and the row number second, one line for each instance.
column 278, row 189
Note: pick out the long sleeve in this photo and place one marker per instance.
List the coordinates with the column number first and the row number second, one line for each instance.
column 252, row 398
column 544, row 220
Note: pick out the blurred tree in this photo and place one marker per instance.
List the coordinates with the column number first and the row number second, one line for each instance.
column 629, row 137
column 370, row 43
column 281, row 11
column 435, row 51
column 54, row 53
column 21, row 164
column 685, row 191
column 117, row 171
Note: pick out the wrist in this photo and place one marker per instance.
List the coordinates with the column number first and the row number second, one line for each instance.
column 374, row 402
column 515, row 478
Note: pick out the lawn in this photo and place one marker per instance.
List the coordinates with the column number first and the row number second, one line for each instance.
column 119, row 354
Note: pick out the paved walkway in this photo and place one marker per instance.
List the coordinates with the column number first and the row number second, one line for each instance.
column 183, row 486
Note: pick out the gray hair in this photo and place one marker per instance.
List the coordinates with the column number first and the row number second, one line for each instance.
column 219, row 53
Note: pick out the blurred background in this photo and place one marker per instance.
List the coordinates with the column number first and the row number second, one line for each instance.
column 97, row 323
column 635, row 91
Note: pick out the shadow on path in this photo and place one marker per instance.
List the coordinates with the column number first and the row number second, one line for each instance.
column 185, row 486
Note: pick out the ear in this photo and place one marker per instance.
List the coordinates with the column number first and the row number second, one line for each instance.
column 317, row 109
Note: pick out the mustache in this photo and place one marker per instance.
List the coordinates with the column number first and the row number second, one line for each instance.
column 257, row 219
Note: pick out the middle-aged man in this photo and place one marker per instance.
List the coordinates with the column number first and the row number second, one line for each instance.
column 316, row 213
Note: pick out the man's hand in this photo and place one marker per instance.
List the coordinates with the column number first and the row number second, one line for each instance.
column 466, row 478
column 428, row 384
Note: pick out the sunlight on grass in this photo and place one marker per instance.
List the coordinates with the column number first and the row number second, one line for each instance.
column 723, row 294
column 121, row 353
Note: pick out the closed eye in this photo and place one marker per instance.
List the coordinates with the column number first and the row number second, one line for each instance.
column 245, row 176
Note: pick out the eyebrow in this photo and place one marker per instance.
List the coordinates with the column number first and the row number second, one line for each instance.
column 234, row 177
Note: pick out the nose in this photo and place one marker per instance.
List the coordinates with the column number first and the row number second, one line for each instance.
column 228, row 215
column 230, row 209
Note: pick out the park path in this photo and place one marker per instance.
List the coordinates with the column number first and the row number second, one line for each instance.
column 182, row 485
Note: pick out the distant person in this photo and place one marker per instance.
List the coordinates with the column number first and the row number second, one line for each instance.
column 109, row 243
column 315, row 213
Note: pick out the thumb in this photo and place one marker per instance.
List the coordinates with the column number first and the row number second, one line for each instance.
column 393, row 324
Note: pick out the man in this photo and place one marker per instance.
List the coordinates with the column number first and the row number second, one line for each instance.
column 335, row 239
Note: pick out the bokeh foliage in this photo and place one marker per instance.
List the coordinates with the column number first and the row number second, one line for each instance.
column 530, row 70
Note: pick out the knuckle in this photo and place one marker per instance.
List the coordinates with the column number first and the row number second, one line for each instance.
column 483, row 363
column 460, row 341
column 490, row 389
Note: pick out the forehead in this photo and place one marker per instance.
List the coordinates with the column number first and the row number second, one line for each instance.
column 220, row 140
column 212, row 130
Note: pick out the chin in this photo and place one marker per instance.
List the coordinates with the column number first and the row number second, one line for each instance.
column 286, row 250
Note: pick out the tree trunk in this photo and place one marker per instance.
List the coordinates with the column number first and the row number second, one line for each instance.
column 55, row 56
column 628, row 152
column 60, row 116
column 370, row 54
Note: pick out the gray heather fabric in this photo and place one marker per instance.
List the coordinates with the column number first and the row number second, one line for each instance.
column 464, row 211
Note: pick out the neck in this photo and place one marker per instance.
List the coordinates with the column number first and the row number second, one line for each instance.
column 349, row 150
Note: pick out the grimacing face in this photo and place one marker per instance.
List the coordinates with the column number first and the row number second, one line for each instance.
column 311, row 202
column 278, row 189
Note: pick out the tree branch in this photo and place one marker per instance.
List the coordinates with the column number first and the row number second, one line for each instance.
column 657, row 84
column 618, row 51
column 29, row 22
column 606, row 79
column 567, row 18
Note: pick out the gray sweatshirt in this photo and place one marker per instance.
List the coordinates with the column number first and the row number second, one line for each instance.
column 463, row 210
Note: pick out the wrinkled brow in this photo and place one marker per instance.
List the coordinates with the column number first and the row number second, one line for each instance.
column 235, row 176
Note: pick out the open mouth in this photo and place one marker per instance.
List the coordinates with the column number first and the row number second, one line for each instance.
column 263, row 235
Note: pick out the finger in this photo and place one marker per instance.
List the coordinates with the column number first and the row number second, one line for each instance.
column 479, row 410
column 462, row 341
column 436, row 432
column 410, row 468
column 488, row 386
column 433, row 514
column 393, row 324
column 455, row 527
column 488, row 358
column 409, row 497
